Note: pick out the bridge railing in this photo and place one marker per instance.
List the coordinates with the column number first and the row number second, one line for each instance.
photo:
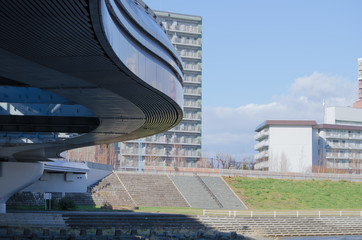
column 241, row 173
column 231, row 213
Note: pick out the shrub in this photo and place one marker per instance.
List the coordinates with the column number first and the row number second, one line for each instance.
column 107, row 205
column 66, row 203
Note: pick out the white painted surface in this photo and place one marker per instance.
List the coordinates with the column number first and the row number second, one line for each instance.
column 15, row 176
column 290, row 148
column 95, row 175
column 59, row 182
column 343, row 116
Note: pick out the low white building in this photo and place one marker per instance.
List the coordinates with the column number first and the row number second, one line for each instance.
column 300, row 146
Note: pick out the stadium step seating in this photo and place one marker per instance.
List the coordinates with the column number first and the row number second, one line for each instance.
column 152, row 190
column 223, row 193
column 194, row 192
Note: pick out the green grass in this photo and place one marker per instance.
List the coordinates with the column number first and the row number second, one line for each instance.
column 266, row 193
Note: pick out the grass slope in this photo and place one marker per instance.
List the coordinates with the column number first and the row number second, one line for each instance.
column 266, row 193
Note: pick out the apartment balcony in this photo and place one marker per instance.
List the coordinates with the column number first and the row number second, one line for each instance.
column 192, row 80
column 155, row 140
column 260, row 155
column 192, row 117
column 262, row 134
column 186, row 42
column 186, row 129
column 194, row 143
column 192, row 92
column 333, row 155
column 192, row 105
column 145, row 152
column 345, row 146
column 184, row 29
column 261, row 165
column 191, row 56
column 262, row 144
column 196, row 69
column 346, row 135
column 344, row 165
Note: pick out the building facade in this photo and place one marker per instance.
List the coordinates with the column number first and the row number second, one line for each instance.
column 305, row 146
column 285, row 146
column 358, row 103
column 181, row 145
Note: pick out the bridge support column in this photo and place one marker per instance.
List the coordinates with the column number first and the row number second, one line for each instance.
column 15, row 176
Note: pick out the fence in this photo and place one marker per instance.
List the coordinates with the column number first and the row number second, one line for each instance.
column 206, row 212
column 242, row 173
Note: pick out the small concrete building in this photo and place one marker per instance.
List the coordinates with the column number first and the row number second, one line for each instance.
column 285, row 146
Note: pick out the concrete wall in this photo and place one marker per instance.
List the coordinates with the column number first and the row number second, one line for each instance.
column 59, row 182
column 70, row 182
column 343, row 116
column 290, row 148
column 97, row 171
column 14, row 176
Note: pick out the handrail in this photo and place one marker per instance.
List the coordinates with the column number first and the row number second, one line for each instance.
column 311, row 213
column 243, row 173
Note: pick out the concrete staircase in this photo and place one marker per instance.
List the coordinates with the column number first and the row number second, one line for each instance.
column 32, row 220
column 110, row 190
column 130, row 221
column 194, row 192
column 223, row 193
column 152, row 190
column 81, row 198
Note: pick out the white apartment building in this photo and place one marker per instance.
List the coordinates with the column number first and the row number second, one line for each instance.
column 285, row 146
column 180, row 146
column 300, row 146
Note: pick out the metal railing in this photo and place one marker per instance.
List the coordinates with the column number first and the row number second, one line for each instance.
column 230, row 213
column 245, row 173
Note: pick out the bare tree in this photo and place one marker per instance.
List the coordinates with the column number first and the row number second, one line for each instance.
column 284, row 165
column 179, row 159
column 152, row 156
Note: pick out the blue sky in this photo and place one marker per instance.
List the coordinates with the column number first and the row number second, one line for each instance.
column 271, row 59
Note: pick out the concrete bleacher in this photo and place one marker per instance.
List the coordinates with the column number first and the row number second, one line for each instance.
column 111, row 221
column 133, row 189
column 223, row 193
column 110, row 190
column 152, row 190
column 286, row 226
column 194, row 192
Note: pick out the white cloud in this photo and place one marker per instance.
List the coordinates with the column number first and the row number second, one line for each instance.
column 232, row 129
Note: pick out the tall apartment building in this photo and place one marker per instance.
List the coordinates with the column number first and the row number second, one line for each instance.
column 301, row 146
column 180, row 146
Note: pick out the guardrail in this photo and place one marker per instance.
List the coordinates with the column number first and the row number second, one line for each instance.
column 230, row 213
column 242, row 173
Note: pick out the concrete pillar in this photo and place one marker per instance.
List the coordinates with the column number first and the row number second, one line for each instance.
column 15, row 176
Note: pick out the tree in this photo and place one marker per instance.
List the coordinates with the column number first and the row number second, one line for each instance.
column 152, row 156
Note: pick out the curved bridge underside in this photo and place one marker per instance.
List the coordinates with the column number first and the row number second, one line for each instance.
column 76, row 73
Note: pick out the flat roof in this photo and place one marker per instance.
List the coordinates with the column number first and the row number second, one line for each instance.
column 285, row 123
column 178, row 15
column 339, row 127
column 306, row 123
